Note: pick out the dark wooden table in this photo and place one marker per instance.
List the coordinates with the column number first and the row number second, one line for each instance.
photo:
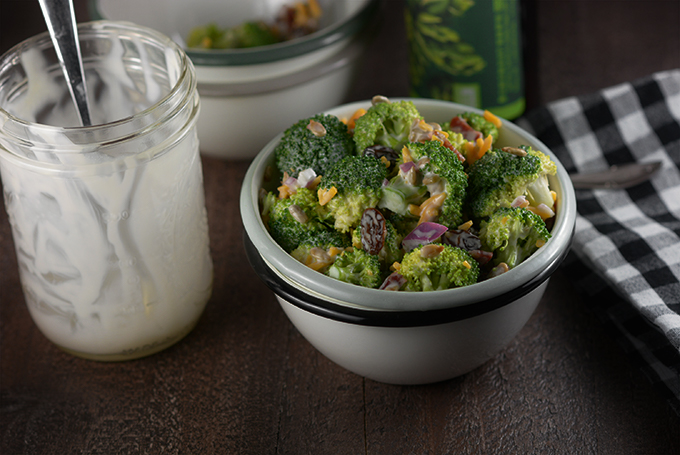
column 245, row 381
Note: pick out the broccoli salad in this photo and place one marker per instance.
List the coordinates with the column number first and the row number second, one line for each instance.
column 292, row 21
column 386, row 200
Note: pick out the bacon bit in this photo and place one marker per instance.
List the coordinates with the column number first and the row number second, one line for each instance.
column 316, row 128
column 459, row 125
column 430, row 208
column 351, row 123
column 431, row 250
column 476, row 150
column 467, row 265
column 540, row 243
column 493, row 119
column 465, row 226
column 406, row 155
column 325, row 195
column 543, row 211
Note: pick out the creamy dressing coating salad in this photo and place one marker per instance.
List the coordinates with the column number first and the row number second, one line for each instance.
column 385, row 199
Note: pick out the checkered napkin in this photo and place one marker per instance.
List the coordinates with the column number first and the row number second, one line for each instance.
column 626, row 249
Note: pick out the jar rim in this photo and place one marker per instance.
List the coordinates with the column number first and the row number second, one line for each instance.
column 86, row 29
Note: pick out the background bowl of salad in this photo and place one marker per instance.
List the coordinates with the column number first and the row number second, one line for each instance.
column 396, row 336
column 260, row 64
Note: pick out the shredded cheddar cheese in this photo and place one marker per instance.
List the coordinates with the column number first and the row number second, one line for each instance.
column 465, row 226
column 406, row 155
column 476, row 150
column 430, row 208
column 493, row 119
column 326, row 195
column 351, row 123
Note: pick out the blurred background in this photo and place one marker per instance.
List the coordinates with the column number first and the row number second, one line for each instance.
column 586, row 44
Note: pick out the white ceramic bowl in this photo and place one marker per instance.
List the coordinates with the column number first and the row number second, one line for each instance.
column 402, row 337
column 250, row 95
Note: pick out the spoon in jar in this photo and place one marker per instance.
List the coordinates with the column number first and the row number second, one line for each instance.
column 61, row 23
column 616, row 177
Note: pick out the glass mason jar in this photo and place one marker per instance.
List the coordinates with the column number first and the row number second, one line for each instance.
column 108, row 221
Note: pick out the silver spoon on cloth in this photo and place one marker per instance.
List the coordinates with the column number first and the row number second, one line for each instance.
column 616, row 177
column 61, row 23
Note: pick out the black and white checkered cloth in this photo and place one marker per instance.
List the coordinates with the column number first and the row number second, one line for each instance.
column 628, row 239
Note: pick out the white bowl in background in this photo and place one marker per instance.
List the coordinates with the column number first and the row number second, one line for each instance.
column 403, row 337
column 250, row 95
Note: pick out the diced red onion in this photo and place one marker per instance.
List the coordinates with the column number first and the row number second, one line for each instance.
column 394, row 282
column 520, row 201
column 423, row 234
column 405, row 167
column 306, row 177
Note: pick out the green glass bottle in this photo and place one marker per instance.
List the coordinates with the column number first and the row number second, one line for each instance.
column 467, row 51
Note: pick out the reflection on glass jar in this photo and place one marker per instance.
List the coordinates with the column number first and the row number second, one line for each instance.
column 108, row 221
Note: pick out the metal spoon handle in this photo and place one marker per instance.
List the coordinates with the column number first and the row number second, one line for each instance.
column 616, row 177
column 61, row 23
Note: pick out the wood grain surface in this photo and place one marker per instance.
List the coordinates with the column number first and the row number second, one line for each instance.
column 246, row 382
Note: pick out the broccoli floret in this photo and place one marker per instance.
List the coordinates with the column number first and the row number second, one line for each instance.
column 399, row 193
column 402, row 223
column 441, row 172
column 294, row 221
column 247, row 34
column 357, row 267
column 479, row 123
column 253, row 34
column 391, row 251
column 385, row 123
column 206, row 37
column 436, row 267
column 497, row 178
column 513, row 234
column 300, row 148
column 357, row 184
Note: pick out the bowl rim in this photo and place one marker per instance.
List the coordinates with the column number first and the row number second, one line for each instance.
column 366, row 298
column 280, row 51
column 346, row 313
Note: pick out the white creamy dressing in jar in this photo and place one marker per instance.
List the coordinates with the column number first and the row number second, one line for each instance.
column 113, row 251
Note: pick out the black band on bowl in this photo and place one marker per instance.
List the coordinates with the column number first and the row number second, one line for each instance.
column 381, row 318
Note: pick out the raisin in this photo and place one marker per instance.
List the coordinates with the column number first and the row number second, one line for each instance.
column 373, row 231
column 378, row 151
column 463, row 239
